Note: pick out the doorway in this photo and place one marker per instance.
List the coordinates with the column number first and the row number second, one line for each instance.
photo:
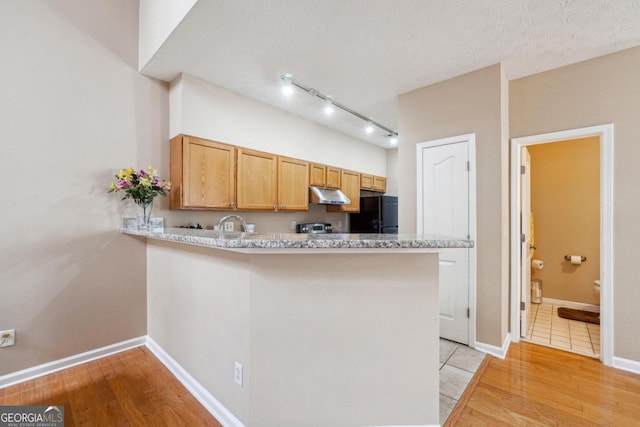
column 522, row 244
column 446, row 206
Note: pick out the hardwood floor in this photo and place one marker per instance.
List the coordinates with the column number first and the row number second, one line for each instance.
column 125, row 389
column 533, row 386
column 541, row 386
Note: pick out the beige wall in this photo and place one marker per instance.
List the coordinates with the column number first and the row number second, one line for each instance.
column 599, row 91
column 317, row 349
column 198, row 310
column 472, row 103
column 74, row 110
column 392, row 172
column 565, row 201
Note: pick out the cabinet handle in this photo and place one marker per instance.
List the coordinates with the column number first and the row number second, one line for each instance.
column 275, row 207
column 281, row 206
column 233, row 204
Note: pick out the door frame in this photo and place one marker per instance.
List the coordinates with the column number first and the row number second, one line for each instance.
column 470, row 139
column 606, row 134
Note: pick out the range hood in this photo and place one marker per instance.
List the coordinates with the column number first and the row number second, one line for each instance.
column 328, row 196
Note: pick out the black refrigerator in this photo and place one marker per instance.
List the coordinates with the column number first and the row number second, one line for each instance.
column 378, row 214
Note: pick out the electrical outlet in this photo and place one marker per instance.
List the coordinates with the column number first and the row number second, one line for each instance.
column 7, row 338
column 293, row 225
column 228, row 226
column 237, row 373
column 339, row 224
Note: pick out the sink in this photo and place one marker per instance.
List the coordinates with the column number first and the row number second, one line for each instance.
column 228, row 235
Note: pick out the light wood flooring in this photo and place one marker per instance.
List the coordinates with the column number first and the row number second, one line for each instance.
column 131, row 388
column 533, row 386
column 541, row 386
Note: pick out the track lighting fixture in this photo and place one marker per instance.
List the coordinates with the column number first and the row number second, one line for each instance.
column 288, row 85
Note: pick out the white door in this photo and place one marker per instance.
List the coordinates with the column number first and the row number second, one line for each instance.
column 525, row 233
column 443, row 198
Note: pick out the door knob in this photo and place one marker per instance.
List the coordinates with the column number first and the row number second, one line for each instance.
column 534, row 247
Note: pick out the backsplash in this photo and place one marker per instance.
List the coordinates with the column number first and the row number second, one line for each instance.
column 272, row 222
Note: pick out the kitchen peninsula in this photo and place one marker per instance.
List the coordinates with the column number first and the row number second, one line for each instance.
column 330, row 330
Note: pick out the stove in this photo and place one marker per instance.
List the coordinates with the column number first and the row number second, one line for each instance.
column 314, row 228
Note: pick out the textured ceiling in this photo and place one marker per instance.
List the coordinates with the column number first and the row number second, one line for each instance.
column 365, row 53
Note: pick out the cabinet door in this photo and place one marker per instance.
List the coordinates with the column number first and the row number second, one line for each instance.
column 366, row 182
column 257, row 186
column 204, row 172
column 351, row 188
column 293, row 184
column 379, row 184
column 333, row 177
column 317, row 175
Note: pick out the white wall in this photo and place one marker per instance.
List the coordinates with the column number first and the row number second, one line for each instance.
column 158, row 19
column 74, row 110
column 202, row 109
column 211, row 112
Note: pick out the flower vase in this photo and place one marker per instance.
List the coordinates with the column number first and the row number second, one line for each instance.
column 145, row 216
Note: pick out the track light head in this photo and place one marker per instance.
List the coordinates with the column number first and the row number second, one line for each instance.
column 368, row 128
column 287, row 87
column 328, row 107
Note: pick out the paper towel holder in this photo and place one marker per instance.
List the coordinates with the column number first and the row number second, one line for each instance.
column 582, row 258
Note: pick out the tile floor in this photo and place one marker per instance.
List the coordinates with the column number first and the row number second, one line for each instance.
column 458, row 363
column 546, row 328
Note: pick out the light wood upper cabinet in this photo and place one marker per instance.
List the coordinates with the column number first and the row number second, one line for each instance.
column 379, row 184
column 366, row 181
column 257, row 180
column 351, row 188
column 210, row 175
column 334, row 176
column 317, row 175
column 293, row 184
column 202, row 174
column 373, row 183
column 324, row 176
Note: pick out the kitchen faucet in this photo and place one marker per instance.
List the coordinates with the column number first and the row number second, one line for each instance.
column 229, row 217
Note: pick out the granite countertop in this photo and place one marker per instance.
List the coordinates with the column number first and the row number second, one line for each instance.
column 277, row 242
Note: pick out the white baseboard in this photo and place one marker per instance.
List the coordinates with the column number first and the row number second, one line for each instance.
column 68, row 362
column 626, row 365
column 217, row 409
column 572, row 304
column 500, row 352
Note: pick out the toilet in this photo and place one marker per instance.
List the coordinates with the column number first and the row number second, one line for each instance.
column 596, row 285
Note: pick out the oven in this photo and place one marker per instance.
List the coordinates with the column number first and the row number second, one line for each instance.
column 314, row 228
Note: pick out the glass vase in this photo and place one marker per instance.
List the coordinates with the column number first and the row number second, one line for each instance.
column 145, row 215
